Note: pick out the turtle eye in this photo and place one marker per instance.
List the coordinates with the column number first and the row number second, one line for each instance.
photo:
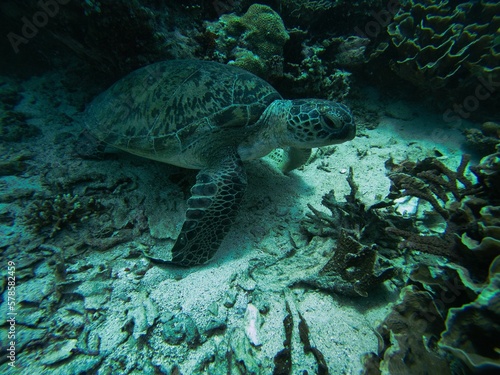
column 331, row 123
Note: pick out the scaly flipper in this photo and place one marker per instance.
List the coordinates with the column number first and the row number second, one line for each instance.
column 289, row 158
column 214, row 203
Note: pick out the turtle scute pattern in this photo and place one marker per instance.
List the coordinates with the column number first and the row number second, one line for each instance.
column 160, row 105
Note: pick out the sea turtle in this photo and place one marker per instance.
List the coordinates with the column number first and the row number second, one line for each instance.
column 210, row 116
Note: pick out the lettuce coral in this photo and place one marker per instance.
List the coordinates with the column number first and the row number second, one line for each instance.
column 472, row 330
column 438, row 43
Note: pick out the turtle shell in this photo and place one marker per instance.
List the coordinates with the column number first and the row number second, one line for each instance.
column 174, row 110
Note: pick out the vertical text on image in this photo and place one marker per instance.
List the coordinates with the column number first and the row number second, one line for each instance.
column 11, row 313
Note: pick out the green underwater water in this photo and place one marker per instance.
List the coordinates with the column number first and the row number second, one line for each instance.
column 216, row 214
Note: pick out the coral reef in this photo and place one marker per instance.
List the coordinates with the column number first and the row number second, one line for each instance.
column 443, row 302
column 60, row 211
column 303, row 12
column 483, row 140
column 85, row 310
column 316, row 76
column 440, row 44
column 250, row 40
column 454, row 314
column 317, row 15
column 457, row 302
column 354, row 268
column 422, row 327
column 472, row 330
column 445, row 190
column 408, row 338
column 488, row 172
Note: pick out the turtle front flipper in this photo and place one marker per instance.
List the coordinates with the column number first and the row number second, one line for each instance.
column 214, row 203
column 289, row 158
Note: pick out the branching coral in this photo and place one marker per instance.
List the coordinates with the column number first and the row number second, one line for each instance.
column 351, row 215
column 432, row 181
column 60, row 211
column 458, row 302
column 445, row 190
column 354, row 268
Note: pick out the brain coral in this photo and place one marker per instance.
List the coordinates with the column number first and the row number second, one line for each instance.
column 253, row 40
column 265, row 30
column 436, row 41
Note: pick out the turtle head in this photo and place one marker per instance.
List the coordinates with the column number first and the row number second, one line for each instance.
column 316, row 123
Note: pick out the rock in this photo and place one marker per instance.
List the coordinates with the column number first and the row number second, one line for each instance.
column 25, row 336
column 96, row 293
column 181, row 328
column 215, row 326
column 253, row 322
column 213, row 308
column 260, row 301
column 35, row 290
column 230, row 298
column 58, row 352
column 143, row 314
column 244, row 355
